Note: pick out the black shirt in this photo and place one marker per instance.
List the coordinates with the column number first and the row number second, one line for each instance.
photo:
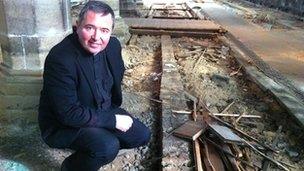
column 103, row 80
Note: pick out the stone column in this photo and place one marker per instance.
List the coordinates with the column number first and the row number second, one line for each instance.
column 121, row 30
column 28, row 29
column 128, row 8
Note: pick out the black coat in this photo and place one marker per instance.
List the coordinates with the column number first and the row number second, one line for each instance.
column 69, row 99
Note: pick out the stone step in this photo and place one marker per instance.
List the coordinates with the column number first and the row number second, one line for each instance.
column 18, row 102
column 10, row 116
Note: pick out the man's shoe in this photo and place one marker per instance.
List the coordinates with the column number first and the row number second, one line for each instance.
column 64, row 166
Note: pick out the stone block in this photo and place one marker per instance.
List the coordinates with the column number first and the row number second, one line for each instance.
column 47, row 42
column 12, row 44
column 18, row 122
column 22, row 89
column 121, row 30
column 33, row 62
column 12, row 115
column 12, row 52
column 18, row 102
column 25, row 28
column 30, row 45
column 50, row 14
column 114, row 4
column 14, row 62
column 19, row 17
column 1, row 57
column 3, row 26
column 19, row 82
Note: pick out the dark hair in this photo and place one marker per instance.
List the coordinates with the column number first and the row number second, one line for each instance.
column 97, row 7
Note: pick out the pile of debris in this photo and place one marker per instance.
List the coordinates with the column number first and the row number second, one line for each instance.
column 231, row 115
column 219, row 145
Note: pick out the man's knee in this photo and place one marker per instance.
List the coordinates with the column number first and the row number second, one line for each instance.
column 146, row 135
column 142, row 138
column 107, row 151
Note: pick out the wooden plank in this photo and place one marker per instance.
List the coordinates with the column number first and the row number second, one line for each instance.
column 133, row 39
column 175, row 17
column 242, row 133
column 190, row 130
column 172, row 33
column 166, row 9
column 226, row 134
column 197, row 155
column 232, row 160
column 149, row 12
column 173, row 24
column 236, row 115
column 236, row 150
column 212, row 158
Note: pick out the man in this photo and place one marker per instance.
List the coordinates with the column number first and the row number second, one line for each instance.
column 79, row 104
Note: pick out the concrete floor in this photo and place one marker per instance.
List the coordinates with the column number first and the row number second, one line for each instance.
column 282, row 49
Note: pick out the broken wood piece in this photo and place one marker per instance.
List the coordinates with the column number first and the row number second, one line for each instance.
column 212, row 158
column 232, row 155
column 265, row 156
column 225, row 134
column 242, row 133
column 176, row 17
column 133, row 39
column 265, row 162
column 219, row 147
column 149, row 14
column 208, row 165
column 200, row 58
column 133, row 46
column 194, row 100
column 155, row 100
column 238, row 118
column 228, row 107
column 232, row 160
column 235, row 72
column 289, row 165
column 181, row 112
column 197, row 156
column 236, row 150
column 190, row 130
column 236, row 115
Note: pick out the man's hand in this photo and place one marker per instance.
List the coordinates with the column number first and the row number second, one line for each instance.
column 123, row 122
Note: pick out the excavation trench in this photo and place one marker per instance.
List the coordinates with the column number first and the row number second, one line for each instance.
column 209, row 72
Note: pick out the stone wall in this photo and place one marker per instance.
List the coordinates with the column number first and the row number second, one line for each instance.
column 28, row 29
column 292, row 6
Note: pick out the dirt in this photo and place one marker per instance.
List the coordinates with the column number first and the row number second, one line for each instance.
column 265, row 17
column 212, row 74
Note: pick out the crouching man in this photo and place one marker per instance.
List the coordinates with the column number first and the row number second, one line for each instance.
column 81, row 96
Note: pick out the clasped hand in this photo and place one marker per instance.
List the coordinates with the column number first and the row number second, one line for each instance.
column 123, row 122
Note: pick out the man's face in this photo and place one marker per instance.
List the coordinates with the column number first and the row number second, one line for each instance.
column 94, row 31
